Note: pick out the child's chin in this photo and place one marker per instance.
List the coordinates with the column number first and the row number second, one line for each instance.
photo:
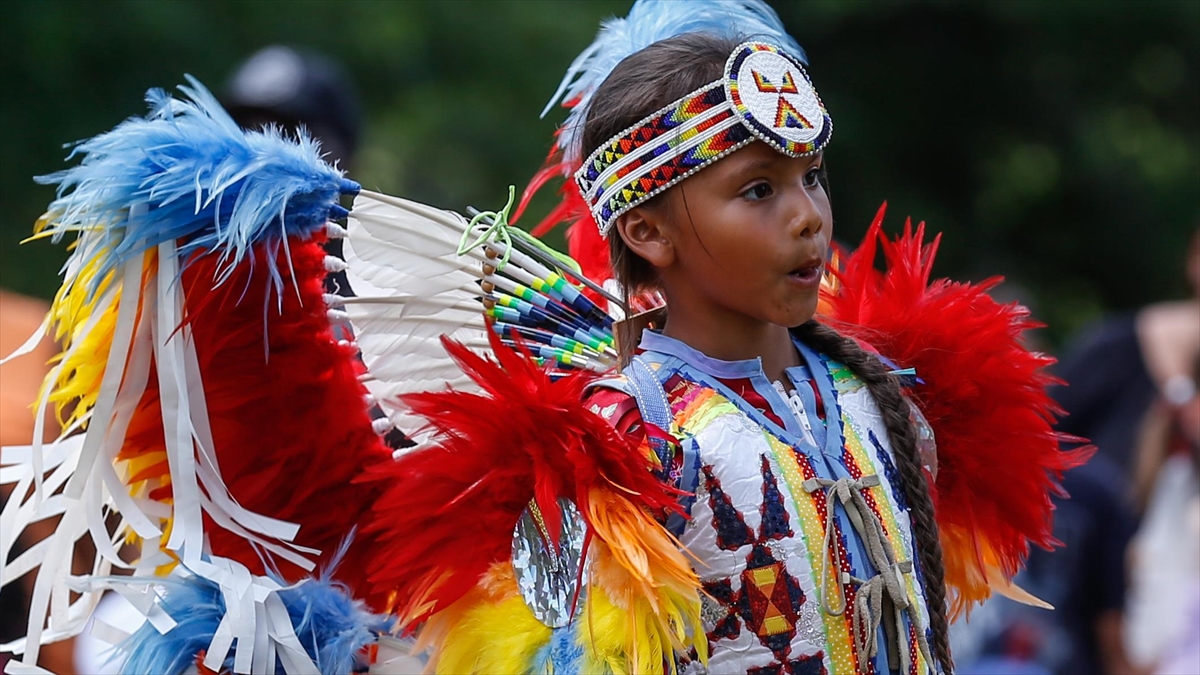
column 800, row 313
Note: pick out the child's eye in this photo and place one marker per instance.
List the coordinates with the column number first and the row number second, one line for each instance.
column 813, row 177
column 758, row 191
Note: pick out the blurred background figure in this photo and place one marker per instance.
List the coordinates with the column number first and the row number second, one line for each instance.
column 1164, row 609
column 1163, row 633
column 292, row 88
column 1121, row 367
column 300, row 89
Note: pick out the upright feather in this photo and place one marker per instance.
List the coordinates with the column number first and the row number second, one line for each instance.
column 983, row 392
column 648, row 21
column 412, row 288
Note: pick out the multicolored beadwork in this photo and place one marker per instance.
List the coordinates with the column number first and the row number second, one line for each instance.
column 765, row 94
column 771, row 92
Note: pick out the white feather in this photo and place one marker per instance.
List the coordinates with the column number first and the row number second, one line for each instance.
column 414, row 288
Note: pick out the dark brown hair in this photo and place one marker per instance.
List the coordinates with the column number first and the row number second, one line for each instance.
column 643, row 83
column 885, row 389
column 648, row 81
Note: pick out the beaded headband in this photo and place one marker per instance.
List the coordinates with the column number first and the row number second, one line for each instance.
column 764, row 95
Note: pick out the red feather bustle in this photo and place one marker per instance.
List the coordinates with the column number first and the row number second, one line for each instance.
column 448, row 511
column 289, row 423
column 983, row 392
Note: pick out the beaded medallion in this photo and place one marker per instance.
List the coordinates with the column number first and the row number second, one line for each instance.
column 772, row 94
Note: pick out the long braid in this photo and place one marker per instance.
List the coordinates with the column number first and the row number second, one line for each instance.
column 894, row 407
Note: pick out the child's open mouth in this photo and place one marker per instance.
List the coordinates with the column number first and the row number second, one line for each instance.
column 806, row 275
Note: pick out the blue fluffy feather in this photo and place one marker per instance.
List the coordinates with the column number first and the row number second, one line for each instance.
column 650, row 21
column 331, row 625
column 566, row 652
column 205, row 182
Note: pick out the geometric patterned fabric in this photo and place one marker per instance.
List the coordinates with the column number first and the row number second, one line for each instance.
column 759, row 533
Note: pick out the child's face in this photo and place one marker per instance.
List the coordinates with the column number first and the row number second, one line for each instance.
column 755, row 247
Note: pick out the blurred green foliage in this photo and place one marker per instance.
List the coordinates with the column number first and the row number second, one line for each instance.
column 1056, row 143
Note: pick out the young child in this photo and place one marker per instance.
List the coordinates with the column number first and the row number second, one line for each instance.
column 748, row 493
column 791, row 458
column 811, row 523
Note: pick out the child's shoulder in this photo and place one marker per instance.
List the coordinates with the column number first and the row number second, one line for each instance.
column 611, row 399
column 614, row 399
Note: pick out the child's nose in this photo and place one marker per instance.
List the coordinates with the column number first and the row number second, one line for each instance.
column 807, row 219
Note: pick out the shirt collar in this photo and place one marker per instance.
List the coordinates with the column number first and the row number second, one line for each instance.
column 653, row 341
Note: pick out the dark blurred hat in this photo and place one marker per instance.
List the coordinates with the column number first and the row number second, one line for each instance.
column 285, row 86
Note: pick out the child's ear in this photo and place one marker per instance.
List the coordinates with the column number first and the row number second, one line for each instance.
column 644, row 234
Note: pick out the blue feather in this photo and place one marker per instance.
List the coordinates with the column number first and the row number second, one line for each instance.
column 331, row 625
column 197, row 607
column 650, row 21
column 203, row 181
column 565, row 652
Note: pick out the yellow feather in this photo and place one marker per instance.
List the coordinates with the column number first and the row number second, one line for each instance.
column 638, row 567
column 500, row 638
column 165, row 568
column 601, row 631
column 642, row 606
column 77, row 384
column 489, row 630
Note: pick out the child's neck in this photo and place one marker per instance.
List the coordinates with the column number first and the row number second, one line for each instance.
column 736, row 338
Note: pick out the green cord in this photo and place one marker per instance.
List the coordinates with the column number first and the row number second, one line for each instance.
column 497, row 230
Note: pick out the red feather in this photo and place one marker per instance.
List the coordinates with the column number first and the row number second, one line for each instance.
column 289, row 422
column 448, row 511
column 553, row 167
column 984, row 394
column 584, row 242
column 587, row 247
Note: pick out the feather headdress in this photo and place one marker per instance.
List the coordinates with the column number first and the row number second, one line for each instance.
column 648, row 21
column 651, row 21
